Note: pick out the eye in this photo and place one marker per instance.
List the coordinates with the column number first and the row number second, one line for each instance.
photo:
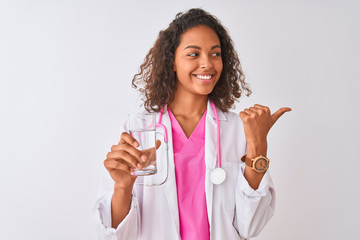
column 216, row 54
column 193, row 54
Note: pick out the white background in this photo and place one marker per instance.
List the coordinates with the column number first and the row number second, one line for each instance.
column 66, row 70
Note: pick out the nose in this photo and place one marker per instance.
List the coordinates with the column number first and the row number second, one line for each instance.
column 205, row 62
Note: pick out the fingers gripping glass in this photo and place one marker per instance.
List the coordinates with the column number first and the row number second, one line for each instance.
column 154, row 170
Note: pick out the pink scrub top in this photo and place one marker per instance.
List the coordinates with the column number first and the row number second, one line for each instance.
column 189, row 158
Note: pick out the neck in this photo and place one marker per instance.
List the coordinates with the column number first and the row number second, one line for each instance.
column 189, row 106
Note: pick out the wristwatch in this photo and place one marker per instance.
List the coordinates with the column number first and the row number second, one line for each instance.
column 259, row 164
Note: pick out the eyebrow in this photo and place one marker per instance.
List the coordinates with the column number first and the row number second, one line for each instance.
column 197, row 47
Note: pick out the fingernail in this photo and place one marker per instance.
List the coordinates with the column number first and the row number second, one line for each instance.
column 143, row 158
column 133, row 173
column 139, row 166
column 136, row 144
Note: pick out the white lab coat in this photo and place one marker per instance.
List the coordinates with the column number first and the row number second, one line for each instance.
column 235, row 210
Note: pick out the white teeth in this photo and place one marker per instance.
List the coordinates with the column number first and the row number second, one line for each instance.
column 205, row 77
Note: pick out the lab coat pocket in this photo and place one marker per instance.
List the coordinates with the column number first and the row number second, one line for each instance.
column 228, row 186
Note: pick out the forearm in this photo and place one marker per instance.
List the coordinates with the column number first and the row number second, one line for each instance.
column 120, row 205
column 253, row 177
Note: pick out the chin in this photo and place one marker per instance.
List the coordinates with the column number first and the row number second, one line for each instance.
column 204, row 92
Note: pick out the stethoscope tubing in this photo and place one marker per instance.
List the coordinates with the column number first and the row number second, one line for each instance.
column 218, row 162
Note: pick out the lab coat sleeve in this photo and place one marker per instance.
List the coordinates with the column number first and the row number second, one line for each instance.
column 254, row 208
column 129, row 227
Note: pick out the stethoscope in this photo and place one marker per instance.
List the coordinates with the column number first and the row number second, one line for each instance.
column 218, row 175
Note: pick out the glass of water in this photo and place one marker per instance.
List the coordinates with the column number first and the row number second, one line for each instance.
column 142, row 128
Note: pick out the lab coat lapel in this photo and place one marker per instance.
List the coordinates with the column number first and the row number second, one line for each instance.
column 210, row 157
column 170, row 183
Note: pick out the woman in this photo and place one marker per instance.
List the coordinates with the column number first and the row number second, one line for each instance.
column 192, row 68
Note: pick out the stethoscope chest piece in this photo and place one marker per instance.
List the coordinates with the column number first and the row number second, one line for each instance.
column 217, row 176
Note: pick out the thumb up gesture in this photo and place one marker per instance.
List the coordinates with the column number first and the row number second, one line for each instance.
column 258, row 121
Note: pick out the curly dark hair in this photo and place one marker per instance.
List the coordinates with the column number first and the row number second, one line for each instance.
column 157, row 75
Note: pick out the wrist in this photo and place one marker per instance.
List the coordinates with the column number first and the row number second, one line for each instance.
column 259, row 164
column 122, row 191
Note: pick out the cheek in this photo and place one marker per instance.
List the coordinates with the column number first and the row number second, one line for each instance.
column 186, row 69
column 182, row 74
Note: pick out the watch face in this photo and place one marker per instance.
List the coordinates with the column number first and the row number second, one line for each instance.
column 261, row 165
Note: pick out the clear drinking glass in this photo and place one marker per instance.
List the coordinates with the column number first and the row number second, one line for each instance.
column 142, row 128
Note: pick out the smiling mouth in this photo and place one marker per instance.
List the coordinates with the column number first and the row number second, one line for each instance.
column 204, row 77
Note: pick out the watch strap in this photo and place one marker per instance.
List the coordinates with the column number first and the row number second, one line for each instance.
column 247, row 161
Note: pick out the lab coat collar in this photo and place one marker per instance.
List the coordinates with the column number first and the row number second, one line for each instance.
column 211, row 113
column 170, row 184
column 210, row 156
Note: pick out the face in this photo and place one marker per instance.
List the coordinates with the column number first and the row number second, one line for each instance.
column 198, row 63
